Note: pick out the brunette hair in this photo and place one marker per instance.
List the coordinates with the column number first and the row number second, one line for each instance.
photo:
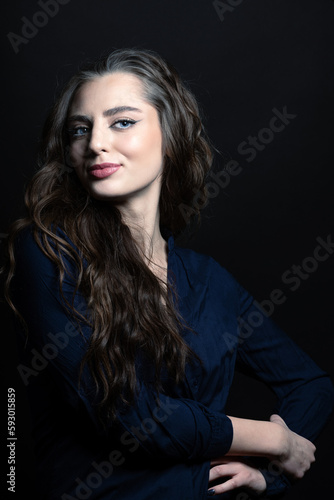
column 130, row 310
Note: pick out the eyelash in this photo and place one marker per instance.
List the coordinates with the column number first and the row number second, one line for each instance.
column 124, row 120
column 73, row 131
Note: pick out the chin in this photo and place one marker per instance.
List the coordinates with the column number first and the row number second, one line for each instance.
column 102, row 195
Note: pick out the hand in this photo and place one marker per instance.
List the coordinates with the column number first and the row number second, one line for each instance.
column 240, row 473
column 297, row 452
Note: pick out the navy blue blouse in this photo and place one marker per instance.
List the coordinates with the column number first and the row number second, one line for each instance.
column 160, row 447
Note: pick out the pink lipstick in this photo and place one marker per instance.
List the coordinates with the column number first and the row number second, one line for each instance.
column 102, row 170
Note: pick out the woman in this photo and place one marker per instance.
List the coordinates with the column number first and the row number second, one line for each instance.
column 131, row 341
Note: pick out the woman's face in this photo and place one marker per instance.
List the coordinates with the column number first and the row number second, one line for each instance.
column 116, row 139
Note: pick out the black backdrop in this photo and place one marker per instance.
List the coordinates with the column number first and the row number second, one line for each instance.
column 247, row 62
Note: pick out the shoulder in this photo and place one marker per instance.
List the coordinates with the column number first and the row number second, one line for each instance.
column 30, row 238
column 27, row 236
column 26, row 248
column 203, row 270
column 30, row 249
column 203, row 266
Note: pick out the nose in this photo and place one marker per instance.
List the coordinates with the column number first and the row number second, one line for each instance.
column 99, row 140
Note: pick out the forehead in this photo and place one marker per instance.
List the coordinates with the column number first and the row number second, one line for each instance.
column 115, row 89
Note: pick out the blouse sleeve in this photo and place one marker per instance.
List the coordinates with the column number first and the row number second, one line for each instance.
column 181, row 429
column 304, row 392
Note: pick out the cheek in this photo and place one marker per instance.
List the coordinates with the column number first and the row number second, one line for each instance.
column 142, row 147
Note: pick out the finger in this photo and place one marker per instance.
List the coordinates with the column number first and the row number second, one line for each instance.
column 216, row 472
column 222, row 470
column 230, row 484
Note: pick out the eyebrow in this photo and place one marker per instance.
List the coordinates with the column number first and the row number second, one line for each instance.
column 119, row 109
column 106, row 113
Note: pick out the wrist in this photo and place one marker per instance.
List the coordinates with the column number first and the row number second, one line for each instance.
column 279, row 442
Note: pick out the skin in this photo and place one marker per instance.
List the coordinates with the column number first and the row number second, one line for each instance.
column 133, row 139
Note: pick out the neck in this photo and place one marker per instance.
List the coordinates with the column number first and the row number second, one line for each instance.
column 143, row 219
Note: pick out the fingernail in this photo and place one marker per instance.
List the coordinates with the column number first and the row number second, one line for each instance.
column 211, row 492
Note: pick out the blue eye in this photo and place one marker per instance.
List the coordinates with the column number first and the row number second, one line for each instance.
column 123, row 124
column 78, row 131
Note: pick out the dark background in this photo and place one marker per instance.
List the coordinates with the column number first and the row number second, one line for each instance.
column 254, row 57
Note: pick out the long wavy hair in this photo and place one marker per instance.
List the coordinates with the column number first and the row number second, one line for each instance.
column 130, row 310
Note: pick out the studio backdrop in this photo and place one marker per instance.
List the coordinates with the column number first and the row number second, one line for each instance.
column 263, row 72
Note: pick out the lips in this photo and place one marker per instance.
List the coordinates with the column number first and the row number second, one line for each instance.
column 102, row 170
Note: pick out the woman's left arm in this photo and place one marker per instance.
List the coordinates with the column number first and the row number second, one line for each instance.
column 305, row 394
